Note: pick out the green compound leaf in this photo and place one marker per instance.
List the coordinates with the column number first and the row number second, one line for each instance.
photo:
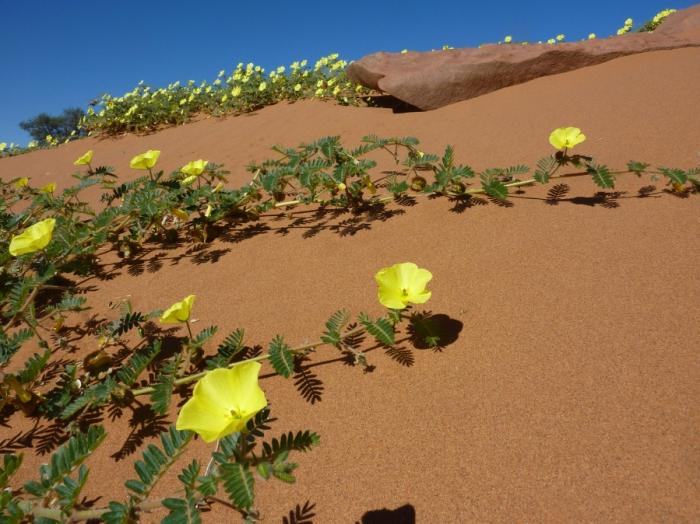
column 601, row 176
column 637, row 167
column 675, row 176
column 156, row 461
column 239, row 484
column 127, row 322
column 182, row 511
column 541, row 176
column 493, row 187
column 381, row 329
column 9, row 345
column 33, row 367
column 10, row 465
column 138, row 362
column 281, row 358
column 227, row 350
column 334, row 326
column 93, row 396
column 65, row 460
column 119, row 514
column 163, row 389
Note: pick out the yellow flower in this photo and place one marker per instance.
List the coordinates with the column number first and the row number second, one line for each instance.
column 188, row 180
column 84, row 160
column 3, row 146
column 566, row 137
column 21, row 182
column 33, row 238
column 48, row 188
column 207, row 211
column 341, row 187
column 551, row 41
column 223, row 402
column 297, row 88
column 218, row 187
column 236, row 91
column 560, row 38
column 591, row 36
column 629, row 22
column 194, row 168
column 262, row 86
column 401, row 284
column 179, row 311
column 145, row 160
column 404, row 51
column 508, row 39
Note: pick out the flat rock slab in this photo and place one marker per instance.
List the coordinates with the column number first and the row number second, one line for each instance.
column 428, row 80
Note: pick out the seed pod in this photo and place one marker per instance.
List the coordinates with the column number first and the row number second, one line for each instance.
column 458, row 187
column 122, row 396
column 418, row 183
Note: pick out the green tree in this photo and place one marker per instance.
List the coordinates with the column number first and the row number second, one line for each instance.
column 59, row 126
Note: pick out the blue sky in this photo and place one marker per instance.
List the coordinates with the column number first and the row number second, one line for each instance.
column 64, row 53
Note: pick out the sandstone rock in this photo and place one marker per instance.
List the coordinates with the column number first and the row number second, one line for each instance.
column 428, row 80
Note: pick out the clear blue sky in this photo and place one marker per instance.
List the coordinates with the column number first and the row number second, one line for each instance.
column 56, row 54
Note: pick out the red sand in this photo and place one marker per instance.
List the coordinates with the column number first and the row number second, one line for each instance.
column 572, row 391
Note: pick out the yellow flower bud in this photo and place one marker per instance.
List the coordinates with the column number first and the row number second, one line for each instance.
column 145, row 160
column 84, row 160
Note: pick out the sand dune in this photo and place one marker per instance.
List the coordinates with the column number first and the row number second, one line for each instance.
column 571, row 392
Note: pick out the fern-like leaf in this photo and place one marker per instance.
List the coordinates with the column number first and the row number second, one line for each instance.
column 201, row 338
column 10, row 465
column 163, row 390
column 119, row 514
column 156, row 461
column 494, row 187
column 9, row 345
column 675, row 176
column 281, row 357
column 239, row 484
column 183, row 511
column 227, row 350
column 33, row 367
column 381, row 329
column 601, row 176
column 127, row 322
column 65, row 460
column 334, row 326
column 93, row 396
column 138, row 362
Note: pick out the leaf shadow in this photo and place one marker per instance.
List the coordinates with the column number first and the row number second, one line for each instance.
column 301, row 514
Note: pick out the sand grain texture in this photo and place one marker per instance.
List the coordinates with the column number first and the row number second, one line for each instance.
column 571, row 393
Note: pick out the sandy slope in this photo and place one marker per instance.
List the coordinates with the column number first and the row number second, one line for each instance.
column 571, row 392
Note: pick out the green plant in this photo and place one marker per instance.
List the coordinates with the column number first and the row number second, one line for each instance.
column 37, row 295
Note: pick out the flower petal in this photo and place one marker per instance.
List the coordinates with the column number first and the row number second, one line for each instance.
column 389, row 293
column 201, row 416
column 250, row 398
